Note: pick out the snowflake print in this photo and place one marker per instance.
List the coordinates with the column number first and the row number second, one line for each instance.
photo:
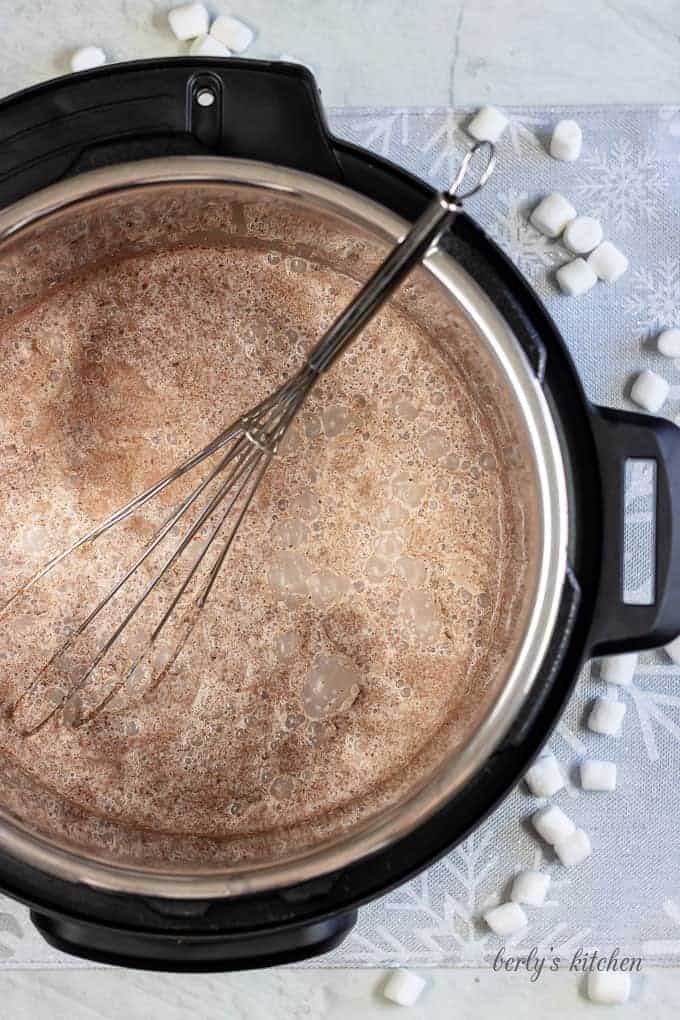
column 665, row 947
column 658, row 713
column 669, row 132
column 446, row 144
column 522, row 136
column 622, row 185
column 436, row 916
column 436, row 919
column 571, row 739
column 381, row 133
column 654, row 301
column 530, row 250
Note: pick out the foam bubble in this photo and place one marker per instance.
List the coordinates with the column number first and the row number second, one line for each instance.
column 414, row 571
column 291, row 532
column 287, row 645
column 336, row 419
column 332, row 686
column 434, row 444
column 420, row 612
column 408, row 491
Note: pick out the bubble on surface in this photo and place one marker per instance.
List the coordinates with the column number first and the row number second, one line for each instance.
column 327, row 587
column 336, row 419
column 393, row 515
column 282, row 787
column 377, row 567
column 408, row 491
column 307, row 505
column 405, row 409
column 419, row 610
column 389, row 546
column 291, row 532
column 331, row 687
column 287, row 645
column 414, row 571
column 434, row 444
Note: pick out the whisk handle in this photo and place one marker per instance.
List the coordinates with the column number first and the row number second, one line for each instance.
column 413, row 247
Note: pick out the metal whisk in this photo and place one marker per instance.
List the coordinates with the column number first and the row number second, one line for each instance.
column 245, row 451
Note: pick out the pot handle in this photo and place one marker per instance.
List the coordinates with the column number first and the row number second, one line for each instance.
column 187, row 952
column 265, row 110
column 618, row 626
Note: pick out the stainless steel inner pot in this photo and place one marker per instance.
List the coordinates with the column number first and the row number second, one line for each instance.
column 24, row 275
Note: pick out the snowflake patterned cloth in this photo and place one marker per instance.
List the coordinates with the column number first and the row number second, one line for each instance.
column 627, row 894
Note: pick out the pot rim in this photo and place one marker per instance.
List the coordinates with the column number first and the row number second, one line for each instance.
column 397, row 821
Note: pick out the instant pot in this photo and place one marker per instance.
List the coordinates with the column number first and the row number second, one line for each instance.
column 252, row 124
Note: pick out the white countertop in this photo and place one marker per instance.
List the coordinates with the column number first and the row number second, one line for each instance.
column 391, row 52
column 318, row 995
column 365, row 52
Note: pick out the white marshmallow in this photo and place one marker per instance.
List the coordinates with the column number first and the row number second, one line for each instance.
column 488, row 124
column 506, row 919
column 530, row 887
column 189, row 21
column 598, row 775
column 566, row 141
column 208, row 46
column 552, row 824
column 650, row 391
column 574, row 849
column 552, row 214
column 87, row 57
column 582, row 234
column 608, row 262
column 403, row 987
column 673, row 650
column 668, row 343
column 545, row 778
column 608, row 987
column 576, row 278
column 619, row 669
column 606, row 716
column 232, row 33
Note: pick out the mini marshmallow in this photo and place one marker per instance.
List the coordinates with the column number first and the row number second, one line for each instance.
column 552, row 214
column 488, row 124
column 608, row 262
column 574, row 849
column 668, row 343
column 506, row 919
column 608, row 987
column 582, row 234
column 530, row 887
column 606, row 716
column 566, row 141
column 208, row 46
column 673, row 650
column 576, row 278
column 232, row 33
column 545, row 778
column 598, row 775
column 619, row 669
column 189, row 21
column 403, row 987
column 552, row 824
column 650, row 391
column 87, row 57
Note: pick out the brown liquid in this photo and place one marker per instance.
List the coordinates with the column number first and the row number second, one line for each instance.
column 362, row 620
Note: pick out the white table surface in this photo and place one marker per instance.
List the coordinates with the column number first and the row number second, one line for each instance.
column 365, row 52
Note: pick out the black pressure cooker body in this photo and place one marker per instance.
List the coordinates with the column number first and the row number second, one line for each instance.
column 271, row 112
